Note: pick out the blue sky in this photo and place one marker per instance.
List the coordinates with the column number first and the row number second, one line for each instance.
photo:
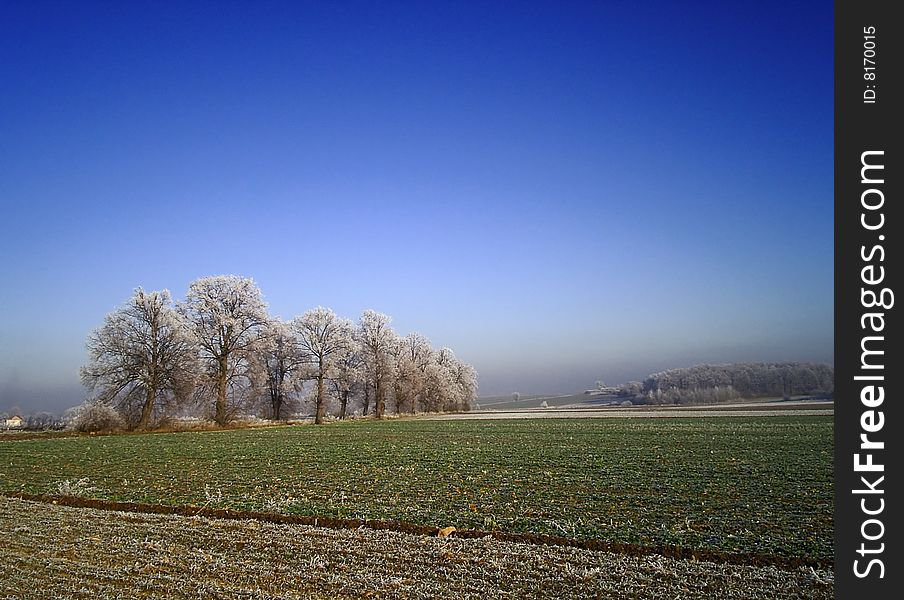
column 560, row 192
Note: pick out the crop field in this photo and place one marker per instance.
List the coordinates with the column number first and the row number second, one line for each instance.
column 754, row 486
column 57, row 551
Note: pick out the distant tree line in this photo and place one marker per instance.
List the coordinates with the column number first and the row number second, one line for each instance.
column 40, row 421
column 707, row 384
column 219, row 354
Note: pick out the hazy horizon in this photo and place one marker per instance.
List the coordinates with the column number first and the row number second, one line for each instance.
column 559, row 193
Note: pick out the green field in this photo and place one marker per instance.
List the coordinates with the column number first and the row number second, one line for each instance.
column 751, row 485
column 533, row 401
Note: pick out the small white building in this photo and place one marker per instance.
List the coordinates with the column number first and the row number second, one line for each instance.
column 14, row 422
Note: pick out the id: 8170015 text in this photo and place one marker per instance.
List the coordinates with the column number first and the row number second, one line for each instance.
column 870, row 92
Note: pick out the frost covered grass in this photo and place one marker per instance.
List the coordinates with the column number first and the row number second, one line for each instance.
column 758, row 485
column 78, row 487
column 57, row 551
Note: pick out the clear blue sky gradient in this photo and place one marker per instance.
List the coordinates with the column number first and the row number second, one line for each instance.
column 560, row 191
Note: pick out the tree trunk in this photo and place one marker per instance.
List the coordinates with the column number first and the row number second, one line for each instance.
column 151, row 391
column 399, row 398
column 343, row 400
column 366, row 398
column 381, row 402
column 318, row 414
column 222, row 376
column 277, row 407
column 148, row 409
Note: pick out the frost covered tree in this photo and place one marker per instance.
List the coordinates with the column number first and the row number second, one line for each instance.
column 747, row 379
column 43, row 421
column 349, row 376
column 280, row 366
column 456, row 387
column 220, row 344
column 326, row 339
column 228, row 316
column 142, row 357
column 464, row 379
column 93, row 417
column 441, row 381
column 632, row 389
column 413, row 356
column 377, row 341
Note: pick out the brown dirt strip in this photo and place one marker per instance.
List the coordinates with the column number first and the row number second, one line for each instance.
column 675, row 552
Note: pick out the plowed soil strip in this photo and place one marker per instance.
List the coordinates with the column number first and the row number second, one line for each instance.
column 676, row 552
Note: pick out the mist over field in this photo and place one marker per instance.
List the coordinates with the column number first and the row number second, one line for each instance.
column 496, row 376
column 500, row 381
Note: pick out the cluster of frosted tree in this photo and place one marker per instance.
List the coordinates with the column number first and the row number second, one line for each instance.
column 705, row 384
column 219, row 350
